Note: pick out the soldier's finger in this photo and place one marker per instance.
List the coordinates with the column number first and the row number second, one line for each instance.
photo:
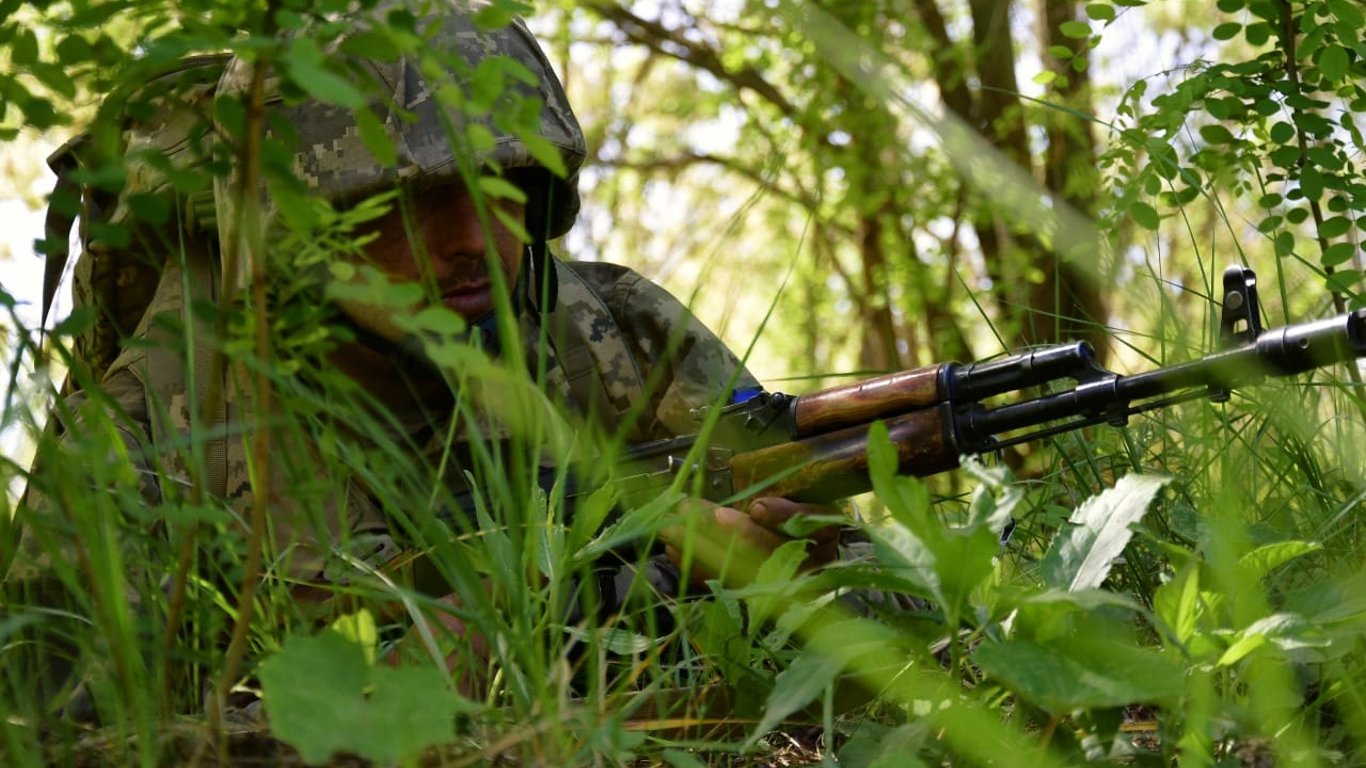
column 775, row 513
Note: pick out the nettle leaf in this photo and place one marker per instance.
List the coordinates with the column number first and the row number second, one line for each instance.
column 948, row 562
column 855, row 643
column 1080, row 557
column 1286, row 631
column 324, row 697
column 1083, row 674
column 1177, row 603
column 1266, row 558
column 799, row 685
column 775, row 580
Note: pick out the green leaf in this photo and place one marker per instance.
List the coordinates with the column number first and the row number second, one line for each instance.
column 1284, row 243
column 1077, row 30
column 1282, row 132
column 545, row 153
column 79, row 321
column 1144, row 215
column 411, row 709
column 323, row 697
column 1257, row 34
column 375, row 138
column 1287, row 631
column 1348, row 13
column 313, row 690
column 1311, row 182
column 1337, row 253
column 1226, row 31
column 1080, row 557
column 514, row 224
column 306, row 66
column 1177, row 603
column 494, row 16
column 1344, row 281
column 500, row 188
column 360, row 629
column 23, row 48
column 1333, row 62
column 376, row 44
column 778, row 570
column 1100, row 11
column 1216, row 134
column 797, row 686
column 1262, row 560
column 1335, row 227
column 1081, row 674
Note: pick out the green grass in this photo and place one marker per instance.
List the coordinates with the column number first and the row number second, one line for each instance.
column 1230, row 626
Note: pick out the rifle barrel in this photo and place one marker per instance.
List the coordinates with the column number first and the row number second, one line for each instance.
column 1282, row 351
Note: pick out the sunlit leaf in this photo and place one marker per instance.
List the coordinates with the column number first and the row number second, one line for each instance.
column 1082, row 554
column 1286, row 631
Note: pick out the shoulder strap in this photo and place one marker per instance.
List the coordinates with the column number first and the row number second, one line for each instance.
column 66, row 195
column 601, row 373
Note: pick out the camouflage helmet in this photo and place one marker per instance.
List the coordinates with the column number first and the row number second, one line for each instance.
column 332, row 159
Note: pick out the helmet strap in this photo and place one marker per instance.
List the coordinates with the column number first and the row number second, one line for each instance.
column 542, row 290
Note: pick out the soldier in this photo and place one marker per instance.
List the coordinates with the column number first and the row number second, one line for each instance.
column 606, row 344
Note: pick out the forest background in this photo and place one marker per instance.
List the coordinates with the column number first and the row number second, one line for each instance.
column 870, row 186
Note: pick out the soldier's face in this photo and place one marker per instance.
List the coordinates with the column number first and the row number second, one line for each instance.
column 437, row 236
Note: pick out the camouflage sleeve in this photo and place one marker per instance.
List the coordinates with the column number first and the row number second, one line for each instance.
column 685, row 365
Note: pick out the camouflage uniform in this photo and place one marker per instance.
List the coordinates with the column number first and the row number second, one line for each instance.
column 611, row 325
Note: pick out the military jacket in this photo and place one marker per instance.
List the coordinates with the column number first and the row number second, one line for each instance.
column 649, row 360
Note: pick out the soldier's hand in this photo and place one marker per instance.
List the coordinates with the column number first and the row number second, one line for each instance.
column 731, row 543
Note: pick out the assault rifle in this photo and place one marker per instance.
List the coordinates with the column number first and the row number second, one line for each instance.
column 814, row 447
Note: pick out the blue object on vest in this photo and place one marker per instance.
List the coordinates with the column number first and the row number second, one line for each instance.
column 746, row 394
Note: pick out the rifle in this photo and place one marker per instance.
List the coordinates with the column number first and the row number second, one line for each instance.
column 813, row 447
